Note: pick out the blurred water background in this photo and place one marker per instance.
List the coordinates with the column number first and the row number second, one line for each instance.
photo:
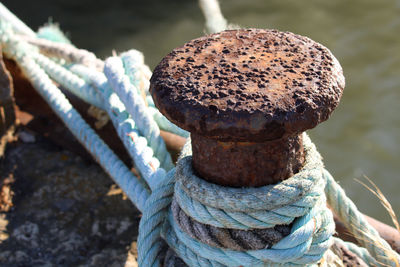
column 362, row 136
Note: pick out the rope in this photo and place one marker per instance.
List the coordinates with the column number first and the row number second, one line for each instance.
column 17, row 25
column 261, row 207
column 235, row 239
column 355, row 221
column 134, row 103
column 52, row 32
column 70, row 81
column 68, row 52
column 135, row 144
column 150, row 245
column 79, row 128
column 359, row 251
column 200, row 211
column 215, row 21
column 172, row 260
column 310, row 234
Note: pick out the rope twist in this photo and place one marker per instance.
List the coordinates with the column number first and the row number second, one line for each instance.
column 297, row 203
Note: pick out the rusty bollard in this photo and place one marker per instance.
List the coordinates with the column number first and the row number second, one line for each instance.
column 246, row 96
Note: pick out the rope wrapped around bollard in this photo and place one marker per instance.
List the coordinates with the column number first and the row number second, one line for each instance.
column 310, row 235
column 284, row 223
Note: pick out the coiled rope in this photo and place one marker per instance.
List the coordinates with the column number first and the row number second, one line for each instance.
column 298, row 203
column 300, row 198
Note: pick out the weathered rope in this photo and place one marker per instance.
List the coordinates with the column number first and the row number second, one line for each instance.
column 17, row 25
column 139, row 75
column 172, row 260
column 155, row 211
column 261, row 207
column 215, row 21
column 86, row 91
column 360, row 252
column 359, row 227
column 81, row 130
column 52, row 32
column 134, row 103
column 135, row 144
column 69, row 80
column 301, row 188
column 293, row 253
column 235, row 239
column 68, row 52
column 310, row 234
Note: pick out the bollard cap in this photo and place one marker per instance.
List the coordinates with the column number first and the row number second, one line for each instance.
column 248, row 85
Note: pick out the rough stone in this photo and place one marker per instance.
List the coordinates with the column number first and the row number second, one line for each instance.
column 66, row 211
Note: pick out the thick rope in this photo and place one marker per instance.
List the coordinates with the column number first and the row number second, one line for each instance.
column 310, row 236
column 69, row 80
column 269, row 197
column 79, row 128
column 135, row 144
column 240, row 219
column 300, row 250
column 172, row 260
column 139, row 75
column 188, row 248
column 359, row 251
column 235, row 239
column 17, row 25
column 68, row 52
column 262, row 207
column 150, row 244
column 134, row 103
column 84, row 90
column 215, row 21
column 359, row 227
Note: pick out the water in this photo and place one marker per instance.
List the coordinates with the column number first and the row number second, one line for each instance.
column 362, row 136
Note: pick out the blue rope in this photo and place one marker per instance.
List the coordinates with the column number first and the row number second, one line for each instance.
column 359, row 227
column 150, row 244
column 69, row 80
column 136, row 145
column 136, row 192
column 311, row 231
column 17, row 25
column 313, row 226
column 134, row 103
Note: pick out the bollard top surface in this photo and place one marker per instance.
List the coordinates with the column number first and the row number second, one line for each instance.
column 248, row 85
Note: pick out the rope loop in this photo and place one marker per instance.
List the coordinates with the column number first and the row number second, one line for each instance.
column 267, row 197
column 227, row 215
column 299, row 201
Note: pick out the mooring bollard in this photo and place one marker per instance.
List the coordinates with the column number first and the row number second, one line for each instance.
column 245, row 96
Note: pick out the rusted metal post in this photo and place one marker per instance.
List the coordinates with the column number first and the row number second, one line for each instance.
column 246, row 96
